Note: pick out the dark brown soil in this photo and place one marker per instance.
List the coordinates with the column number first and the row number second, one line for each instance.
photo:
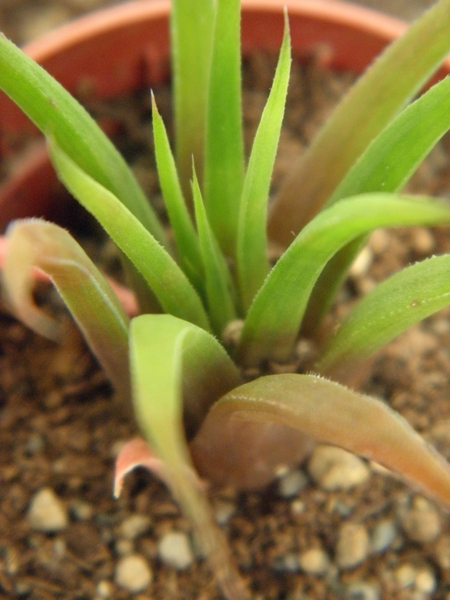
column 59, row 431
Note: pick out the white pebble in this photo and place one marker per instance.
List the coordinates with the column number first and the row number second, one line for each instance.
column 361, row 263
column 421, row 523
column 425, row 581
column 104, row 589
column 133, row 573
column 383, row 536
column 46, row 512
column 362, row 590
column 314, row 561
column 336, row 469
column 134, row 526
column 352, row 546
column 175, row 550
column 291, row 484
column 405, row 576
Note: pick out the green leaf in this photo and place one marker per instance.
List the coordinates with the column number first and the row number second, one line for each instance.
column 186, row 238
column 90, row 299
column 329, row 412
column 58, row 115
column 389, row 309
column 385, row 166
column 191, row 29
column 397, row 151
column 390, row 83
column 252, row 262
column 275, row 316
column 178, row 369
column 218, row 284
column 224, row 147
column 160, row 271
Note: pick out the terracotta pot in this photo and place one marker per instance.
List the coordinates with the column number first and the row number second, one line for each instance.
column 83, row 56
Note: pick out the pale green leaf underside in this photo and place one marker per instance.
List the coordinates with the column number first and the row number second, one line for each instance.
column 218, row 284
column 275, row 316
column 90, row 299
column 389, row 309
column 252, row 262
column 171, row 361
column 224, row 147
column 329, row 412
column 184, row 233
column 163, row 276
column 58, row 115
column 393, row 79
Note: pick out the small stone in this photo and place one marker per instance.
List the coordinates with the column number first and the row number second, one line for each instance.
column 288, row 563
column 224, row 511
column 425, row 581
column 124, row 547
column 405, row 576
column 80, row 510
column 104, row 589
column 383, row 536
column 46, row 512
column 361, row 263
column 336, row 469
column 421, row 523
column 175, row 550
column 291, row 484
column 352, row 546
column 133, row 573
column 314, row 561
column 363, row 590
column 423, row 241
column 134, row 526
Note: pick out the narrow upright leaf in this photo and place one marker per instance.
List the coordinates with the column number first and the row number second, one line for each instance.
column 88, row 296
column 191, row 29
column 252, row 262
column 390, row 83
column 224, row 147
column 186, row 238
column 218, row 284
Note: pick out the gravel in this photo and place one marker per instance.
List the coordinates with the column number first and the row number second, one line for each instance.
column 352, row 546
column 335, row 469
column 46, row 512
column 174, row 550
column 133, row 573
column 421, row 523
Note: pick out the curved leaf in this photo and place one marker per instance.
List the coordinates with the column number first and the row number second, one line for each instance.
column 389, row 309
column 329, row 412
column 58, row 115
column 390, row 83
column 90, row 299
column 275, row 316
column 163, row 276
column 178, row 368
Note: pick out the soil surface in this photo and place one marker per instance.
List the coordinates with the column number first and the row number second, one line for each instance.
column 63, row 536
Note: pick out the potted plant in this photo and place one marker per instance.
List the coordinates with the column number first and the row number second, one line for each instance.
column 187, row 386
